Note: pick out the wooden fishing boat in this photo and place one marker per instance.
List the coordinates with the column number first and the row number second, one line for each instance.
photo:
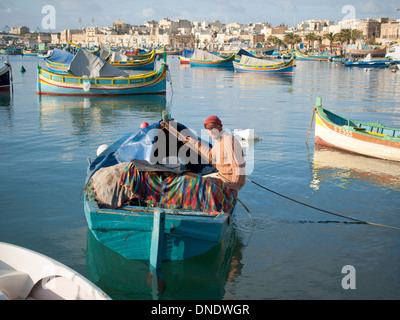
column 205, row 59
column 5, row 77
column 367, row 62
column 137, row 64
column 186, row 56
column 157, row 212
column 362, row 51
column 27, row 52
column 50, row 83
column 58, row 61
column 139, row 54
column 10, row 51
column 176, row 52
column 29, row 275
column 263, row 66
column 106, row 80
column 302, row 56
column 369, row 139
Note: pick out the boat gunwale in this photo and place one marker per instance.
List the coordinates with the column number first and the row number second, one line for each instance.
column 324, row 114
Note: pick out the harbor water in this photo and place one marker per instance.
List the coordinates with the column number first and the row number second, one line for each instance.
column 284, row 250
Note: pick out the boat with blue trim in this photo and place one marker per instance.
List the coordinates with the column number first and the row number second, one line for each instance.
column 89, row 75
column 145, row 201
column 203, row 58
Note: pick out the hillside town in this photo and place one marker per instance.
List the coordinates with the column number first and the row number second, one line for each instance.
column 211, row 35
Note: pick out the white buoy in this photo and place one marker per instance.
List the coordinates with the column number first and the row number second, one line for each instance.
column 101, row 149
column 246, row 134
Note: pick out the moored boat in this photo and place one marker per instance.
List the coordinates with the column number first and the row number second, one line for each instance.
column 319, row 57
column 157, row 210
column 133, row 64
column 361, row 50
column 138, row 53
column 29, row 275
column 369, row 139
column 58, row 61
column 5, row 77
column 205, row 59
column 29, row 52
column 367, row 62
column 263, row 66
column 11, row 51
column 186, row 56
column 89, row 75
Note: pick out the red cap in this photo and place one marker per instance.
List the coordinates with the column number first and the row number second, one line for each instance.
column 144, row 125
column 213, row 119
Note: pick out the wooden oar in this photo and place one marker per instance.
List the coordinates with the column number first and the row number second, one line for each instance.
column 176, row 133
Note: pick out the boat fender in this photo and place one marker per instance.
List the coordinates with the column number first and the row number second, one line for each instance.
column 101, row 149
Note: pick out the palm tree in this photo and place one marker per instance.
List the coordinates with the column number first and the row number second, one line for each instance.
column 310, row 37
column 275, row 40
column 356, row 34
column 291, row 38
column 330, row 37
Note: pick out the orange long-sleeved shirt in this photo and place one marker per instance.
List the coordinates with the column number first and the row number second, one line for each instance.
column 227, row 156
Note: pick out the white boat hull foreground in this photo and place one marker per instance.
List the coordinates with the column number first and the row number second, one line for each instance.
column 28, row 275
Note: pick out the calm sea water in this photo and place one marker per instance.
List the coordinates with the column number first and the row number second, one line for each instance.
column 289, row 252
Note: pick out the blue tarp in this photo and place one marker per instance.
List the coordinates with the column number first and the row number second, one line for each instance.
column 140, row 145
column 243, row 52
column 187, row 53
column 60, row 56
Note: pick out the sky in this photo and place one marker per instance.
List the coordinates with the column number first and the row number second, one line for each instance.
column 73, row 14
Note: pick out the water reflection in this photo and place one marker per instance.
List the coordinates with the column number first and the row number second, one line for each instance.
column 87, row 113
column 202, row 277
column 6, row 110
column 340, row 167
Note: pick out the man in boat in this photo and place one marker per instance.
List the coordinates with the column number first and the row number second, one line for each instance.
column 226, row 154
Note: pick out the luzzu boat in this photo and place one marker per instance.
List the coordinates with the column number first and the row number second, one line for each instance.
column 5, row 77
column 137, row 64
column 27, row 52
column 369, row 139
column 156, row 210
column 263, row 66
column 91, row 76
column 302, row 56
column 58, row 61
column 205, row 59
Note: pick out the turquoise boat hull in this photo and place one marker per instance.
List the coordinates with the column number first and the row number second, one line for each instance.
column 50, row 83
column 128, row 231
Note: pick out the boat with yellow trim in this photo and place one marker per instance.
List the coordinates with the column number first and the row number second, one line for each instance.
column 369, row 139
column 101, row 80
column 137, row 64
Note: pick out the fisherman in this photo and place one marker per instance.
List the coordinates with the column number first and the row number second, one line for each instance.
column 226, row 154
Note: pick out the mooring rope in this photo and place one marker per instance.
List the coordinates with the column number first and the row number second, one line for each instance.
column 322, row 210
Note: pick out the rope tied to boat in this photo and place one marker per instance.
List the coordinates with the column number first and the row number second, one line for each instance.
column 312, row 119
column 322, row 210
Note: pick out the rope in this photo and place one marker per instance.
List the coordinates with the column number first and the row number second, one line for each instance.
column 322, row 210
column 312, row 119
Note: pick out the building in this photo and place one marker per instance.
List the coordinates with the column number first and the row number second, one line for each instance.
column 19, row 30
column 390, row 31
column 371, row 29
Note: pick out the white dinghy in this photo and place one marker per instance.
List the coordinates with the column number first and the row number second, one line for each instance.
column 28, row 275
